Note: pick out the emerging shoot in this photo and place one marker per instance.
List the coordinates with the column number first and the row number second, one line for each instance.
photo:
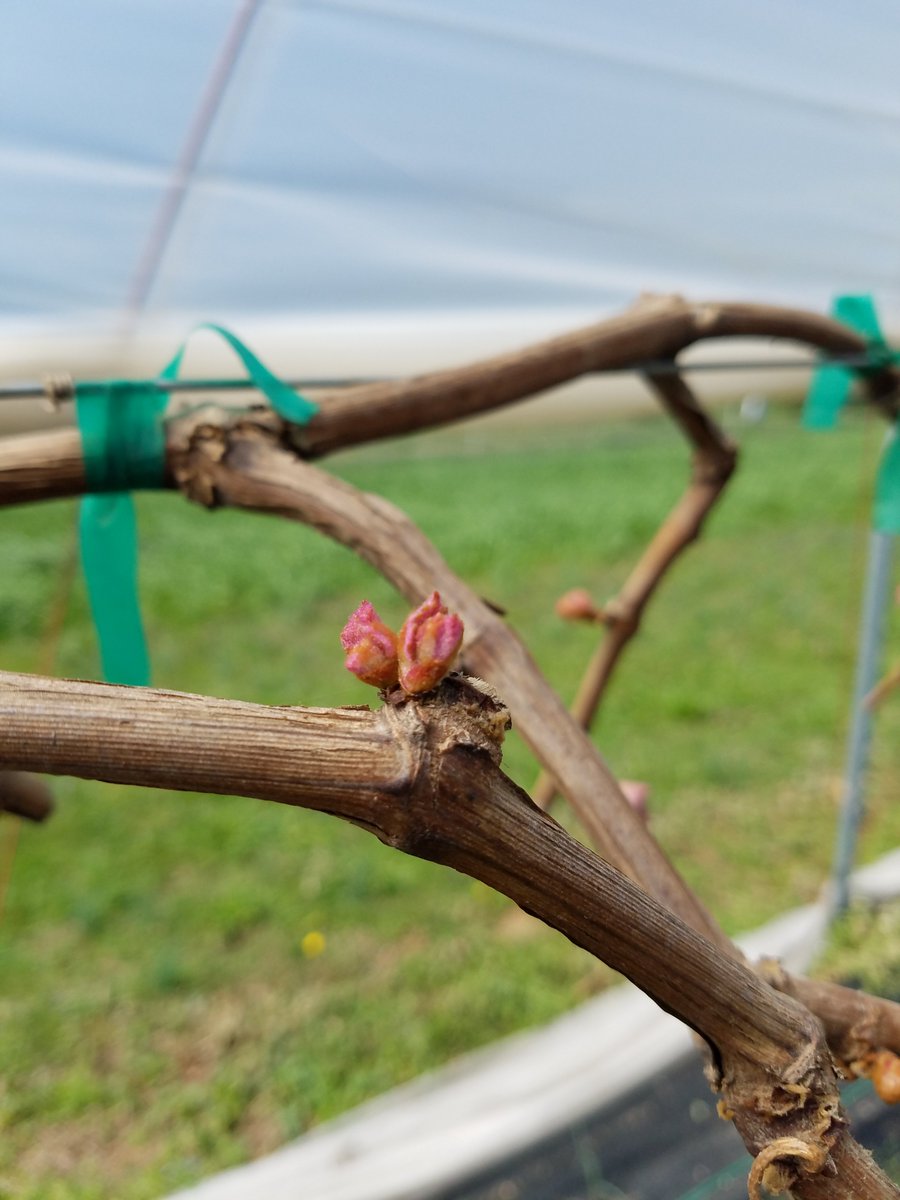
column 418, row 659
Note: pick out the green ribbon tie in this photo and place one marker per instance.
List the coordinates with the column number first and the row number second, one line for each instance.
column 831, row 384
column 124, row 449
column 123, row 444
column 287, row 403
column 830, row 390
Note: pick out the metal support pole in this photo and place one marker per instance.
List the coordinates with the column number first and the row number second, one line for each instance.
column 185, row 167
column 876, row 599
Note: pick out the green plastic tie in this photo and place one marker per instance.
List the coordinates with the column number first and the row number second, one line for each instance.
column 123, row 444
column 830, row 388
column 290, row 405
column 124, row 449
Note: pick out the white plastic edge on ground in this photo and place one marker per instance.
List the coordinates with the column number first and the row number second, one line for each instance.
column 472, row 1114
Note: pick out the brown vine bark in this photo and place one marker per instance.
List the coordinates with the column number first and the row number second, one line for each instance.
column 423, row 776
column 714, row 461
column 252, row 461
column 25, row 796
column 245, row 467
column 657, row 327
column 883, row 689
column 51, row 465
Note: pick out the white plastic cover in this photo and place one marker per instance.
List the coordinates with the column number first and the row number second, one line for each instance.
column 449, row 156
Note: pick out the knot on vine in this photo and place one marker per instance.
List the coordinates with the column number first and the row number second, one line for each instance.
column 778, row 1166
column 462, row 711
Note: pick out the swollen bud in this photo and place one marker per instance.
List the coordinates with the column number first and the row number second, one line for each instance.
column 637, row 793
column 371, row 647
column 577, row 605
column 429, row 641
column 886, row 1076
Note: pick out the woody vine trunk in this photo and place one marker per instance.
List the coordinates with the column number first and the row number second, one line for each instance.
column 255, row 461
column 423, row 775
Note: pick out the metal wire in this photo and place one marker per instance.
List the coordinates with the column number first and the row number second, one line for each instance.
column 39, row 391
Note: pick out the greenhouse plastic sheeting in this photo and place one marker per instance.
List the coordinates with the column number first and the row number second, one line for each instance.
column 391, row 156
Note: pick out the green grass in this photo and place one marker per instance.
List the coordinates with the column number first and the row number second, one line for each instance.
column 158, row 1016
column 864, row 948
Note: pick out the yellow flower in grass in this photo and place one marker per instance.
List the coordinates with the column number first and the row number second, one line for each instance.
column 312, row 944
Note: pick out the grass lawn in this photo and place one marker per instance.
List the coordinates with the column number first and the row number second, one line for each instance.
column 164, row 1011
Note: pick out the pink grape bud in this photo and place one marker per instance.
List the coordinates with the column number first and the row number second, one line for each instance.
column 637, row 793
column 577, row 605
column 429, row 640
column 371, row 647
column 886, row 1076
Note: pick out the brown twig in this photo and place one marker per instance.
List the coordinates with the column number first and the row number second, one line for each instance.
column 247, row 462
column 657, row 327
column 244, row 466
column 247, row 468
column 41, row 466
column 883, row 689
column 28, row 795
column 855, row 1023
column 715, row 457
column 25, row 795
column 423, row 776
